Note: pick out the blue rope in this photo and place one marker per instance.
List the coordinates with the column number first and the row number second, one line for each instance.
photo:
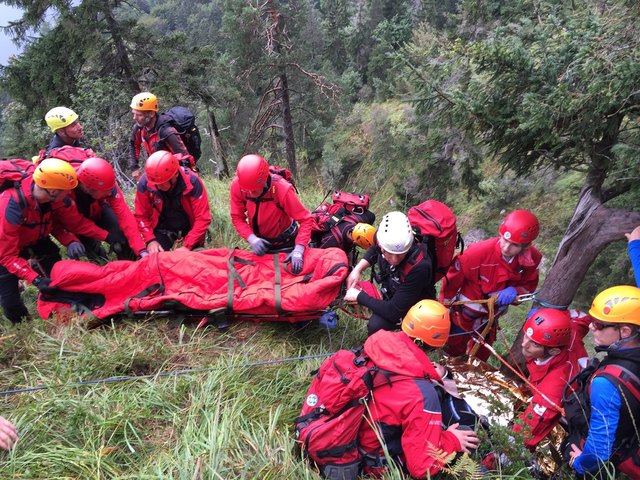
column 163, row 374
column 550, row 305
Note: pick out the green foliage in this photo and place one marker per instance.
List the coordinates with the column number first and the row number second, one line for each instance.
column 550, row 87
column 41, row 76
column 16, row 119
column 387, row 143
column 389, row 36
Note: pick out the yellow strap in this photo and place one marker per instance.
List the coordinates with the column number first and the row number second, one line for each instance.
column 491, row 301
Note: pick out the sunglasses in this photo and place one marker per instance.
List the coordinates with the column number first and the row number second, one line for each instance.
column 601, row 326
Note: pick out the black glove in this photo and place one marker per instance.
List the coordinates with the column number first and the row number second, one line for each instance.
column 42, row 283
column 98, row 252
column 116, row 237
column 75, row 250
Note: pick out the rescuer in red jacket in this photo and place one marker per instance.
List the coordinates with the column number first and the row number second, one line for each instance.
column 99, row 199
column 267, row 213
column 555, row 352
column 28, row 213
column 407, row 414
column 506, row 266
column 171, row 205
column 153, row 133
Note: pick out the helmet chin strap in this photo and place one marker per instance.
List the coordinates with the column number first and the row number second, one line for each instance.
column 617, row 344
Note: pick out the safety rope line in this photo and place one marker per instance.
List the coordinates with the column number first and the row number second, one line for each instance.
column 488, row 324
column 162, row 374
column 508, row 348
column 490, row 301
column 352, row 310
column 526, row 381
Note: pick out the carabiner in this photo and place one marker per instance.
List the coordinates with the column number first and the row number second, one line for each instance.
column 526, row 297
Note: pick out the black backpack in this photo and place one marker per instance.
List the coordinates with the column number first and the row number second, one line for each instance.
column 184, row 121
column 577, row 406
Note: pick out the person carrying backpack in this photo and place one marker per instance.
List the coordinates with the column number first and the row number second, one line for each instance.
column 603, row 426
column 407, row 414
column 28, row 213
column 99, row 199
column 154, row 132
column 171, row 205
column 66, row 128
column 266, row 211
column 506, row 266
column 403, row 410
column 404, row 274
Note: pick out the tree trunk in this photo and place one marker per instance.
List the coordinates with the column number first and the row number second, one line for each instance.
column 122, row 55
column 592, row 227
column 287, row 125
column 597, row 227
column 218, row 152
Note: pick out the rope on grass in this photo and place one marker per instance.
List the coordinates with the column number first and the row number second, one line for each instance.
column 102, row 381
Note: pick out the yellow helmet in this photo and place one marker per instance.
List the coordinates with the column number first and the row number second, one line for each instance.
column 55, row 174
column 429, row 321
column 60, row 117
column 145, row 101
column 619, row 304
column 362, row 235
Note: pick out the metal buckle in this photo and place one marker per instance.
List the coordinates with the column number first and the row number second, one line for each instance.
column 526, row 297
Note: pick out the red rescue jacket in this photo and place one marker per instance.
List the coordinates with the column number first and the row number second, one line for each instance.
column 406, row 413
column 122, row 212
column 550, row 379
column 277, row 209
column 148, row 206
column 481, row 270
column 24, row 222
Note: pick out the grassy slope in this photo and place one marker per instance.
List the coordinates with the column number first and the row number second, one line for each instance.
column 230, row 421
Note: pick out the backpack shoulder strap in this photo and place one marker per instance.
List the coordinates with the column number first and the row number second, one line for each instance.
column 385, row 377
column 21, row 198
column 579, row 381
column 164, row 127
column 620, row 375
column 416, row 256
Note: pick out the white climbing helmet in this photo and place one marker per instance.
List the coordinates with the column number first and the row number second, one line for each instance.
column 394, row 233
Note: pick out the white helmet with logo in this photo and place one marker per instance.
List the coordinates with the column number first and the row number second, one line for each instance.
column 394, row 233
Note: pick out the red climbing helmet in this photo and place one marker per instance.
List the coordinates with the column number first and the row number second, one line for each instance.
column 520, row 226
column 97, row 174
column 252, row 172
column 161, row 166
column 549, row 327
